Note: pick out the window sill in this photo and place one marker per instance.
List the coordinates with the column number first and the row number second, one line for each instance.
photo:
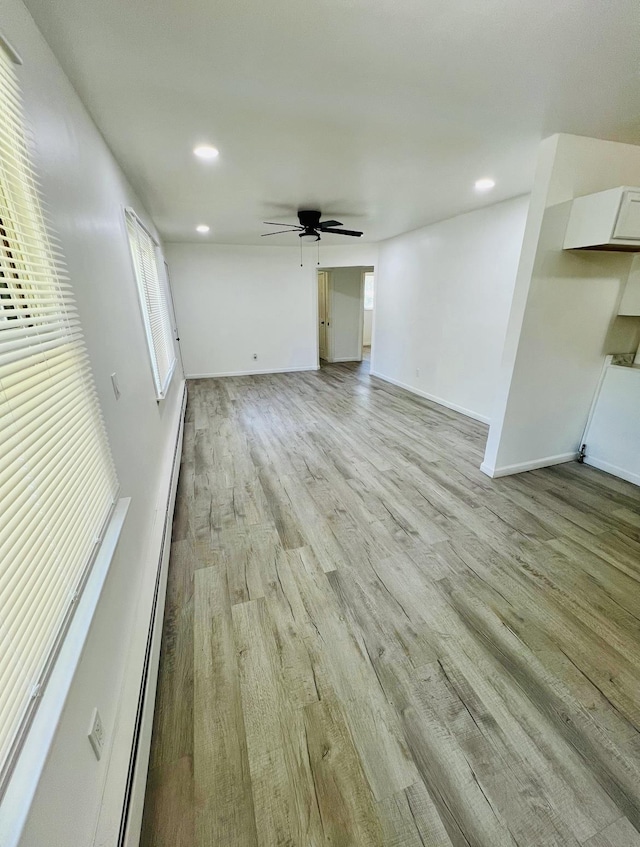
column 160, row 396
column 23, row 782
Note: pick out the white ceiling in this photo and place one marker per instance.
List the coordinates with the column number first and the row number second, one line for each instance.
column 381, row 113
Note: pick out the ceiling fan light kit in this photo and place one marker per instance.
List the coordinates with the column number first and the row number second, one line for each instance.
column 310, row 228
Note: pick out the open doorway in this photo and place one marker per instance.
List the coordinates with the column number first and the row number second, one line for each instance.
column 343, row 323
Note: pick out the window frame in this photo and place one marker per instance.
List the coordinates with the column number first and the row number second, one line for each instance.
column 20, row 243
column 161, row 387
column 373, row 291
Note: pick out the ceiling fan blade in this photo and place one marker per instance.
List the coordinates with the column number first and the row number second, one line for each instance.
column 342, row 232
column 322, row 224
column 293, row 226
column 265, row 234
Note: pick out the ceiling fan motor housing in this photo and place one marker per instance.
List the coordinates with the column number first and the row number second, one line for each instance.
column 309, row 219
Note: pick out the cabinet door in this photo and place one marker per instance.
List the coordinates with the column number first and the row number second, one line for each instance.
column 613, row 434
column 627, row 225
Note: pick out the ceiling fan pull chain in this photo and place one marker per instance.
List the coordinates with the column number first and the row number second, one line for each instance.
column 318, row 243
column 300, row 252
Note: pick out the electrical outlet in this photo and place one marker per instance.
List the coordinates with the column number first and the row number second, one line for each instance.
column 255, row 356
column 96, row 733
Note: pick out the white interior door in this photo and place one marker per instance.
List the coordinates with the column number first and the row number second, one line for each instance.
column 323, row 313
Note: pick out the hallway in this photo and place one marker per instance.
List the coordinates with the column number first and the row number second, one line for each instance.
column 368, row 642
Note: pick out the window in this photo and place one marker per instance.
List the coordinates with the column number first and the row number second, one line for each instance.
column 154, row 303
column 57, row 479
column 368, row 292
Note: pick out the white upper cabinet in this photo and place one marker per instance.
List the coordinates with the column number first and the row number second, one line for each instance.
column 608, row 220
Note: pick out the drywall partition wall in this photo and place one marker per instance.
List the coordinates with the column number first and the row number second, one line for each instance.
column 567, row 303
column 233, row 302
column 630, row 303
column 346, row 304
column 348, row 252
column 86, row 192
column 443, row 295
column 535, row 213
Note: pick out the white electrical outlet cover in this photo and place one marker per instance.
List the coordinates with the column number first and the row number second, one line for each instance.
column 96, row 733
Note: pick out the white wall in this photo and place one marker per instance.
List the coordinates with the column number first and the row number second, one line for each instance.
column 564, row 306
column 233, row 301
column 86, row 192
column 443, row 295
column 630, row 303
column 346, row 299
column 367, row 327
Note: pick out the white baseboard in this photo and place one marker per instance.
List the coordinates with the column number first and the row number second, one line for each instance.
column 521, row 467
column 439, row 400
column 629, row 476
column 251, row 373
column 131, row 823
column 344, row 359
column 120, row 818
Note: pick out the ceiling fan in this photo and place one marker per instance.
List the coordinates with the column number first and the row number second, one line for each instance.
column 311, row 226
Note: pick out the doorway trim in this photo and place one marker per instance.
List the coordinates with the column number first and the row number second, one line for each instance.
column 327, row 316
column 330, row 347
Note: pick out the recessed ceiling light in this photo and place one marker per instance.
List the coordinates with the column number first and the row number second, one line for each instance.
column 203, row 228
column 485, row 184
column 206, row 151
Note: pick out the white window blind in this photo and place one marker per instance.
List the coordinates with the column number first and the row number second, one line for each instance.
column 57, row 479
column 154, row 303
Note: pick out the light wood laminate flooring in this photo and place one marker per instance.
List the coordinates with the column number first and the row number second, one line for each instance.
column 368, row 642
